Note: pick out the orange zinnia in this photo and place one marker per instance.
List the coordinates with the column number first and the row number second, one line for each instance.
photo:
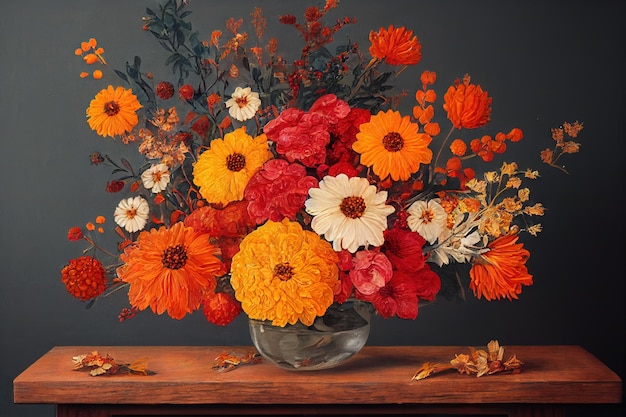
column 170, row 270
column 502, row 271
column 468, row 106
column 397, row 46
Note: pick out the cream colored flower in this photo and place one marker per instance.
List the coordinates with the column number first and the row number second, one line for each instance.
column 348, row 212
column 132, row 214
column 427, row 218
column 156, row 178
column 243, row 104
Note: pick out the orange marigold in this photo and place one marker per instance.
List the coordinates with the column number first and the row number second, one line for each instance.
column 502, row 271
column 397, row 46
column 468, row 106
column 84, row 278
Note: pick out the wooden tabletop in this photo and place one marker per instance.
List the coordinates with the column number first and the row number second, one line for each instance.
column 376, row 375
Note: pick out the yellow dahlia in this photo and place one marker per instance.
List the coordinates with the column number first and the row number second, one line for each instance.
column 113, row 111
column 284, row 274
column 392, row 145
column 223, row 171
column 170, row 269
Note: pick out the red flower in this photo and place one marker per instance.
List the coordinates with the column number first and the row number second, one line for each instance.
column 220, row 308
column 165, row 90
column 84, row 278
column 299, row 136
column 331, row 108
column 74, row 234
column 371, row 271
column 278, row 190
column 115, row 186
column 404, row 249
column 185, row 92
column 343, row 288
column 397, row 298
column 231, row 221
column 427, row 283
column 345, row 134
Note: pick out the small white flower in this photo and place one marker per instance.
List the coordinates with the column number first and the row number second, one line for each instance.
column 243, row 104
column 132, row 214
column 156, row 178
column 348, row 212
column 427, row 218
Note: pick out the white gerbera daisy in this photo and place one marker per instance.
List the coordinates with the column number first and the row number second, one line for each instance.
column 427, row 218
column 156, row 178
column 132, row 214
column 243, row 104
column 348, row 212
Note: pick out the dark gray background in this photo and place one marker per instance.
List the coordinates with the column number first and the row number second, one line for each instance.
column 543, row 62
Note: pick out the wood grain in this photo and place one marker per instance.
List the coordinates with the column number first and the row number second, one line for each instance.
column 376, row 375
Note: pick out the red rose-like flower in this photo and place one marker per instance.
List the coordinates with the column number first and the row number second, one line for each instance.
column 396, row 298
column 343, row 288
column 278, row 190
column 231, row 221
column 185, row 92
column 165, row 90
column 403, row 247
column 427, row 283
column 468, row 106
column 220, row 308
column 331, row 108
column 371, row 271
column 84, row 278
column 299, row 136
column 115, row 186
column 345, row 134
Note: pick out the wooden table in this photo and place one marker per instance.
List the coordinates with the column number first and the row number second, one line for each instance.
column 377, row 381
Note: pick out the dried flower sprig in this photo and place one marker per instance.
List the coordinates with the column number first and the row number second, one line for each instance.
column 478, row 362
column 103, row 364
column 227, row 361
column 563, row 145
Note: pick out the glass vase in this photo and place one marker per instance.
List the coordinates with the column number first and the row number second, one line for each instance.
column 331, row 340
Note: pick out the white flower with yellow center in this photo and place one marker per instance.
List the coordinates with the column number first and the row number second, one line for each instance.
column 243, row 104
column 427, row 218
column 132, row 214
column 156, row 178
column 348, row 212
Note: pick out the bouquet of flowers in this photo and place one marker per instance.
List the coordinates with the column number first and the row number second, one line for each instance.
column 278, row 187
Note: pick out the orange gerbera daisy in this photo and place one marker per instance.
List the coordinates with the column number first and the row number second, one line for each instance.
column 113, row 111
column 284, row 274
column 170, row 270
column 397, row 46
column 502, row 271
column 392, row 145
column 223, row 171
column 468, row 106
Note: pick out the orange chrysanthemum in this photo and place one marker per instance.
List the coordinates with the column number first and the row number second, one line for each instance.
column 392, row 145
column 468, row 106
column 284, row 274
column 113, row 111
column 170, row 270
column 502, row 271
column 397, row 46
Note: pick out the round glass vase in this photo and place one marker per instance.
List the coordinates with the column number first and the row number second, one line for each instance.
column 331, row 340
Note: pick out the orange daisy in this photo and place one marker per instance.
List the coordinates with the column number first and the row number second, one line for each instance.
column 397, row 46
column 392, row 145
column 502, row 271
column 170, row 270
column 113, row 111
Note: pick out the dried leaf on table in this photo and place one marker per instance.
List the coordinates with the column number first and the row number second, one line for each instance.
column 103, row 364
column 479, row 362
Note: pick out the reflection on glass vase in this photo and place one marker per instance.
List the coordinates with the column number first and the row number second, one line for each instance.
column 331, row 340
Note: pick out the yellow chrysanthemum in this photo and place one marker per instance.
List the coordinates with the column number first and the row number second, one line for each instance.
column 170, row 270
column 113, row 111
column 392, row 145
column 223, row 171
column 284, row 274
